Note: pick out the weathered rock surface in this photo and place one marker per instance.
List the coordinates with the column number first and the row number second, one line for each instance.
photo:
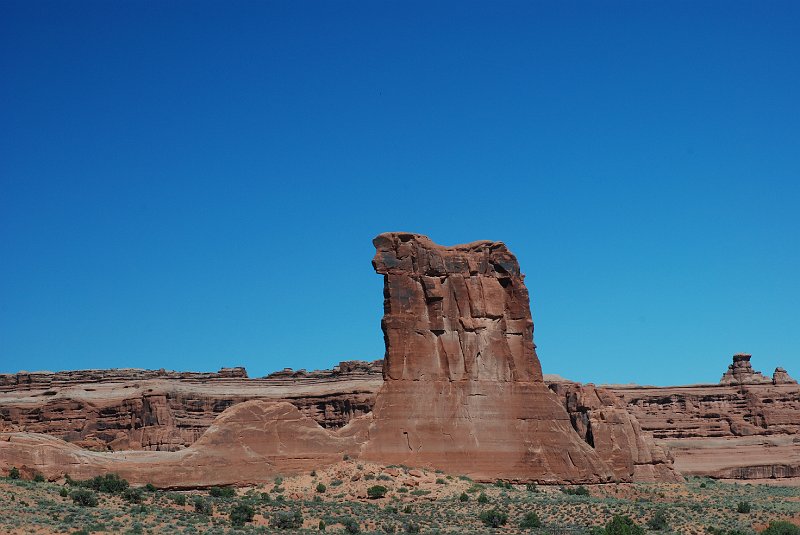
column 603, row 421
column 781, row 377
column 742, row 430
column 463, row 387
column 741, row 372
column 158, row 410
column 248, row 444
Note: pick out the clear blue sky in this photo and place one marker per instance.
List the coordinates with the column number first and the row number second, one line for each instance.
column 192, row 185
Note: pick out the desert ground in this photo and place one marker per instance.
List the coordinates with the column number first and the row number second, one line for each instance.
column 338, row 499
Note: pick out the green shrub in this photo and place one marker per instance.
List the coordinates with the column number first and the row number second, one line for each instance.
column 222, row 492
column 63, row 492
column 109, row 483
column 531, row 487
column 402, row 490
column 203, row 506
column 440, row 481
column 781, row 528
column 493, row 518
column 580, row 490
column 132, row 495
column 623, row 525
column 350, row 525
column 150, row 487
column 411, row 527
column 241, row 513
column 464, row 497
column 530, row 520
column 84, row 497
column 407, row 509
column 321, row 526
column 321, row 488
column 658, row 522
column 38, row 477
column 376, row 491
column 743, row 507
column 13, row 473
column 483, row 498
column 336, row 482
column 287, row 520
column 179, row 499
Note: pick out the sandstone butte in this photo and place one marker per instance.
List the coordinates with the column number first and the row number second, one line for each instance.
column 460, row 389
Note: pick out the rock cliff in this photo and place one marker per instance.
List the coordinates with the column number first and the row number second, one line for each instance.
column 247, row 444
column 746, row 427
column 463, row 388
column 168, row 411
column 604, row 422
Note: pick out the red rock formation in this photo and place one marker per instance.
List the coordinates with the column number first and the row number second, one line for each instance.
column 248, row 444
column 168, row 411
column 747, row 430
column 463, row 391
column 603, row 421
column 463, row 386
column 781, row 377
column 741, row 372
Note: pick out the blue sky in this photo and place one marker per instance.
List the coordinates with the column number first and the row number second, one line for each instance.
column 193, row 185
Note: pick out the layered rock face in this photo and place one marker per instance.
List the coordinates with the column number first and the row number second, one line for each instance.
column 604, row 422
column 168, row 411
column 463, row 387
column 744, row 428
column 248, row 444
column 781, row 377
column 741, row 372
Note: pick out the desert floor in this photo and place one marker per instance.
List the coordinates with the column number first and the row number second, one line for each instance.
column 416, row 501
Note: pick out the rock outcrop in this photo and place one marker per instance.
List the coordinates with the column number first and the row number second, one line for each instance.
column 746, row 428
column 603, row 421
column 247, row 444
column 741, row 372
column 781, row 377
column 463, row 388
column 160, row 410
